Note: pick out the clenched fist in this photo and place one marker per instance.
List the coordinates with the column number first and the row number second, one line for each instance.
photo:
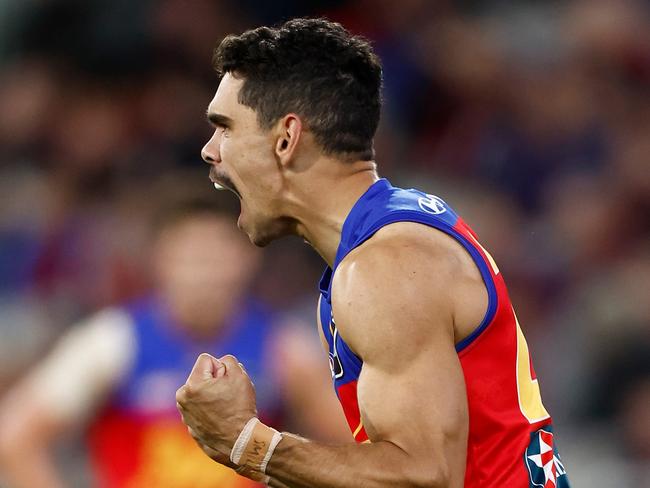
column 216, row 402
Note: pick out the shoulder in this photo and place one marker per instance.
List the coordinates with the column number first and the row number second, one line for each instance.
column 405, row 253
column 402, row 275
column 111, row 320
column 408, row 272
column 105, row 339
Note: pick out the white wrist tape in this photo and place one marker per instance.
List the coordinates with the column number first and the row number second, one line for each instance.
column 242, row 441
column 255, row 445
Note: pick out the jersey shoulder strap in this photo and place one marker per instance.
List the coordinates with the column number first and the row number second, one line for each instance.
column 384, row 204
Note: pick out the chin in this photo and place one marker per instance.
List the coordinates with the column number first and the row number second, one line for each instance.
column 259, row 239
column 262, row 237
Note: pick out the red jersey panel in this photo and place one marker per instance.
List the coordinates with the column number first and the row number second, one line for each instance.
column 510, row 441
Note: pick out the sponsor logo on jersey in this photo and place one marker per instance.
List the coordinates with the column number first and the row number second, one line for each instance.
column 544, row 465
column 432, row 204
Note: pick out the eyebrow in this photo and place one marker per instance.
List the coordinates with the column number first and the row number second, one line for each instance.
column 219, row 120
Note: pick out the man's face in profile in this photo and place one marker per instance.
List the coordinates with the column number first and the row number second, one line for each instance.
column 242, row 159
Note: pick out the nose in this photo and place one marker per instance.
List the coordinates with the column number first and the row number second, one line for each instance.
column 210, row 152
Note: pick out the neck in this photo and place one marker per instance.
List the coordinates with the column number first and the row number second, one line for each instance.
column 324, row 201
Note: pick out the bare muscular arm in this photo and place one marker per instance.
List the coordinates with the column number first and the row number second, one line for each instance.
column 394, row 304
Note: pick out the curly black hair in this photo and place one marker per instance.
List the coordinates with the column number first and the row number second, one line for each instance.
column 314, row 68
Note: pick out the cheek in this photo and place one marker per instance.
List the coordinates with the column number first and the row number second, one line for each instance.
column 262, row 178
column 225, row 148
column 256, row 156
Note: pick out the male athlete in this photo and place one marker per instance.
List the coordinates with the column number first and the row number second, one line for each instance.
column 428, row 359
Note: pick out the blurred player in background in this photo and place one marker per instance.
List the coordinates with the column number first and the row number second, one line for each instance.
column 118, row 370
column 427, row 356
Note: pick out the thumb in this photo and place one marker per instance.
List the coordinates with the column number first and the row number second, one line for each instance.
column 219, row 368
column 206, row 367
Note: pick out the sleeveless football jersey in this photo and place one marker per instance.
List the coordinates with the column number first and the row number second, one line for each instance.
column 510, row 440
column 139, row 440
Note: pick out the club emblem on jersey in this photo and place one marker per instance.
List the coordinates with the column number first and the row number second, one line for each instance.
column 336, row 367
column 432, row 204
column 543, row 462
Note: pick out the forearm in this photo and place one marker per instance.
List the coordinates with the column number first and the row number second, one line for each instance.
column 420, row 451
column 26, row 439
column 25, row 467
column 297, row 463
column 274, row 483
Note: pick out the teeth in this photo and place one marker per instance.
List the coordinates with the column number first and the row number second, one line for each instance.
column 219, row 187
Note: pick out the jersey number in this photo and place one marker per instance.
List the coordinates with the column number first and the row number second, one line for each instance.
column 530, row 398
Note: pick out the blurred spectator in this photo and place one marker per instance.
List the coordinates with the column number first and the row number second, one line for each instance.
column 118, row 370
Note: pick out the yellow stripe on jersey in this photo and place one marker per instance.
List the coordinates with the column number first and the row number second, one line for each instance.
column 358, row 430
column 530, row 398
column 489, row 256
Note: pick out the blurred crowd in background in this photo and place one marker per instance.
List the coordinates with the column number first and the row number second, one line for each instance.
column 531, row 118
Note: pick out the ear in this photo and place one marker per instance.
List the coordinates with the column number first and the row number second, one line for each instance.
column 290, row 130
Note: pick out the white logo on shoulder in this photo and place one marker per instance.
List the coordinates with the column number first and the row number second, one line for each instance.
column 432, row 204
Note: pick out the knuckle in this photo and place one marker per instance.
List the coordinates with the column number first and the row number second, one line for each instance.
column 180, row 395
column 229, row 360
column 189, row 391
column 243, row 369
column 185, row 393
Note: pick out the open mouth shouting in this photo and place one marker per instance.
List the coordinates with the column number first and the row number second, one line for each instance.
column 223, row 182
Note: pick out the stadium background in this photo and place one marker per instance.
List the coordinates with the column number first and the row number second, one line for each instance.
column 531, row 118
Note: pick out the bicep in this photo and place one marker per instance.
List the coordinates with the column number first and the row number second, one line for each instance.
column 413, row 396
column 415, row 399
column 399, row 321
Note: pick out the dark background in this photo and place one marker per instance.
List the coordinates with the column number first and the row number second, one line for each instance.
column 532, row 118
